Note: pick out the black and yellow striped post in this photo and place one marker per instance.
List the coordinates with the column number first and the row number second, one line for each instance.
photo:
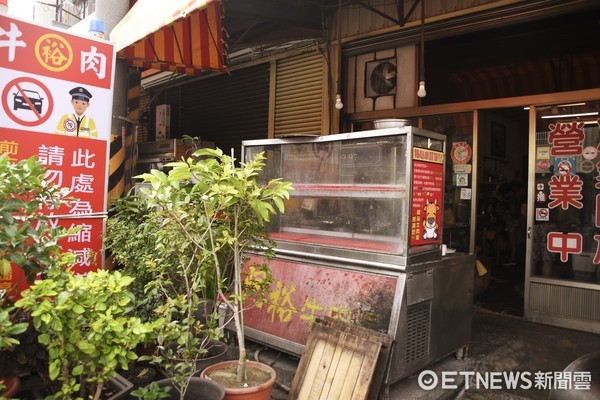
column 122, row 145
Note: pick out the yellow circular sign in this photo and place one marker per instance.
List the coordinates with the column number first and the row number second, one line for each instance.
column 53, row 52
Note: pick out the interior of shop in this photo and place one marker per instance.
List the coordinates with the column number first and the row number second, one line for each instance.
column 501, row 186
column 502, row 208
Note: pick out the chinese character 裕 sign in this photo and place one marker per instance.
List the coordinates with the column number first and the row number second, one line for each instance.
column 48, row 76
column 56, row 95
column 300, row 292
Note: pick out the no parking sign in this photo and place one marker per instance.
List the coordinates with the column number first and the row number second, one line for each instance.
column 27, row 101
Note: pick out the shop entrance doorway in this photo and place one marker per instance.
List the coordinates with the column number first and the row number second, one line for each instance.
column 501, row 206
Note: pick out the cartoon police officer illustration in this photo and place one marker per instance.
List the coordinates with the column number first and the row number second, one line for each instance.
column 78, row 124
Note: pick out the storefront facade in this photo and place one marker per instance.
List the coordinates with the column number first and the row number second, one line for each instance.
column 500, row 76
column 561, row 281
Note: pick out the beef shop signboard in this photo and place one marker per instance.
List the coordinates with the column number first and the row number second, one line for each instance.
column 56, row 94
column 300, row 292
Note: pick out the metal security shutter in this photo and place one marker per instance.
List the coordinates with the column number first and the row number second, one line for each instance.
column 300, row 95
column 145, row 111
column 225, row 109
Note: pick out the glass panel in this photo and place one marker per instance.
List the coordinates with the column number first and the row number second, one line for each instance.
column 566, row 188
column 346, row 192
column 352, row 193
column 458, row 129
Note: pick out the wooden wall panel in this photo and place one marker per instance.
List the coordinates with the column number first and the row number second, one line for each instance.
column 408, row 76
column 358, row 20
column 362, row 103
column 406, row 80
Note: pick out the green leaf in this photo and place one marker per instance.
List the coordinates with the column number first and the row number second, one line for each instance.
column 78, row 309
column 56, row 325
column 78, row 370
column 44, row 338
column 45, row 318
column 53, row 369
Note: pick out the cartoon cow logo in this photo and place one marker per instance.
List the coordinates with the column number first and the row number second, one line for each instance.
column 430, row 224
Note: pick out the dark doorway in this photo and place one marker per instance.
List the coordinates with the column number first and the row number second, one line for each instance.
column 502, row 209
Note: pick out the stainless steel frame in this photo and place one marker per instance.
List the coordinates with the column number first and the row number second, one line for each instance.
column 432, row 308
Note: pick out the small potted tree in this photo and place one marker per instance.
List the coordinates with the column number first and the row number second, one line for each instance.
column 179, row 268
column 28, row 246
column 237, row 207
column 217, row 210
column 86, row 324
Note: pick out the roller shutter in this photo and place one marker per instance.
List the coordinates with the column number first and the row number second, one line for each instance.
column 300, row 95
column 225, row 109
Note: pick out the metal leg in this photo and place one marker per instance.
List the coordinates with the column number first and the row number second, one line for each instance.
column 462, row 352
column 384, row 392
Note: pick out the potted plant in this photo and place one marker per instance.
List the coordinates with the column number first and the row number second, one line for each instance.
column 85, row 323
column 233, row 207
column 212, row 213
column 28, row 246
column 176, row 260
column 28, row 241
column 9, row 385
column 55, row 311
column 131, row 234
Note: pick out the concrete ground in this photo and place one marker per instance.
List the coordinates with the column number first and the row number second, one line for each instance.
column 499, row 343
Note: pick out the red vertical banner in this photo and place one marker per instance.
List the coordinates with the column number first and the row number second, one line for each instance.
column 56, row 94
column 427, row 197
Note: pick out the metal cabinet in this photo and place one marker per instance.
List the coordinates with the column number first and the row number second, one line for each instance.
column 360, row 241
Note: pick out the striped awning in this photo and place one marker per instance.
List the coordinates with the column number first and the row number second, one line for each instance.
column 172, row 35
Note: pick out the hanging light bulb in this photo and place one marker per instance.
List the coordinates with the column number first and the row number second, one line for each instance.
column 421, row 92
column 338, row 101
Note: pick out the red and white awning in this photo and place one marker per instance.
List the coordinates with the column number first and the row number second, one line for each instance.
column 172, row 35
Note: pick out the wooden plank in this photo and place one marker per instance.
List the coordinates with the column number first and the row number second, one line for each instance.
column 330, row 343
column 371, row 351
column 338, row 363
column 308, row 366
column 351, row 377
column 337, row 368
column 312, row 370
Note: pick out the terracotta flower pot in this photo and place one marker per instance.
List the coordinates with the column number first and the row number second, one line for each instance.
column 12, row 385
column 261, row 391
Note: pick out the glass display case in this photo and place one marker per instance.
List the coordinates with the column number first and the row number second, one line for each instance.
column 360, row 241
column 365, row 192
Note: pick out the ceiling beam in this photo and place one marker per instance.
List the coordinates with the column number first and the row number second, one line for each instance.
column 401, row 20
column 280, row 12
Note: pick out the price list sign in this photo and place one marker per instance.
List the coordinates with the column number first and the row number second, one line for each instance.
column 427, row 197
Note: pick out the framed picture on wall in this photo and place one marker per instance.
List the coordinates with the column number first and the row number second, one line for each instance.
column 498, row 140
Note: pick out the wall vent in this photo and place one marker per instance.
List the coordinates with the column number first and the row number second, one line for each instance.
column 417, row 332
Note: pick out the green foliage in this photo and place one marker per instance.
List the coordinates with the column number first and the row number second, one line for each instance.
column 152, row 392
column 131, row 236
column 8, row 329
column 212, row 213
column 85, row 323
column 26, row 235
